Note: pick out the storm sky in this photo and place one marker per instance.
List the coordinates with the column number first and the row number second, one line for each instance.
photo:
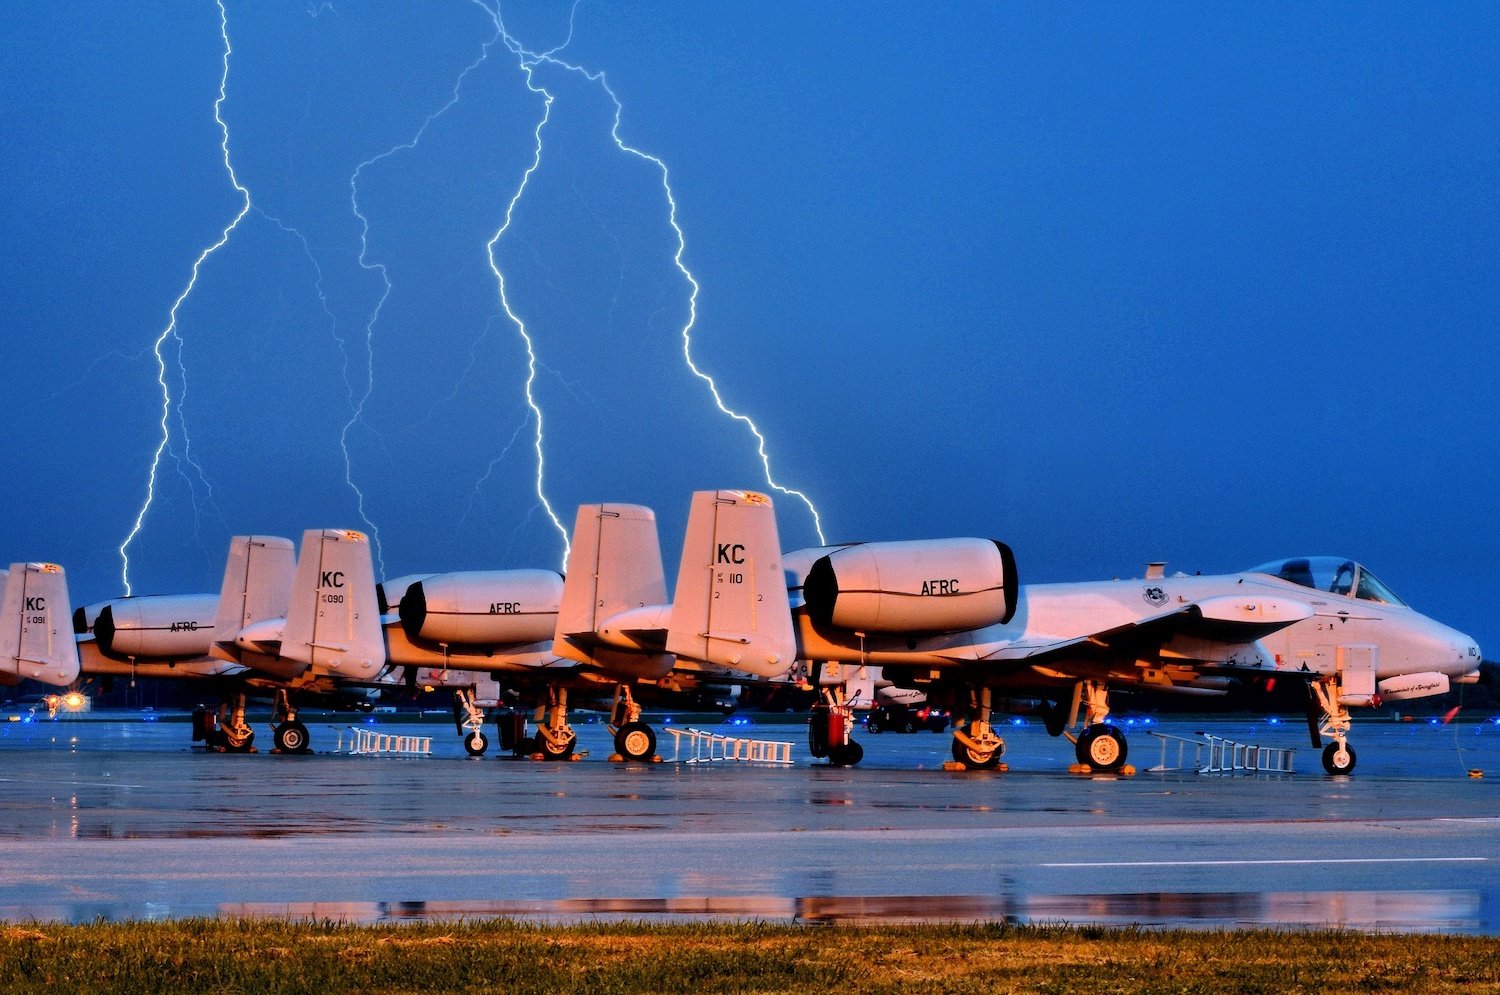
column 1210, row 284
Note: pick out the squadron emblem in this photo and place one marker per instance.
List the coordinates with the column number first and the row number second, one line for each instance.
column 1155, row 596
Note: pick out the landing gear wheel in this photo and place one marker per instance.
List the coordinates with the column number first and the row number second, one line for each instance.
column 1054, row 719
column 848, row 755
column 1337, row 761
column 555, row 751
column 635, row 741
column 243, row 746
column 291, row 737
column 817, row 733
column 475, row 743
column 977, row 759
column 1103, row 748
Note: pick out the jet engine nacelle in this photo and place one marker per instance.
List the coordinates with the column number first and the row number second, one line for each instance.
column 483, row 607
column 157, row 627
column 933, row 585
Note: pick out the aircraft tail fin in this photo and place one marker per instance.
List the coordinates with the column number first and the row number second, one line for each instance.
column 257, row 587
column 36, row 627
column 614, row 567
column 333, row 620
column 731, row 606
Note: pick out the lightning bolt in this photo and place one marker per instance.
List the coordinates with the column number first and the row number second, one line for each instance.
column 357, row 408
column 528, row 62
column 529, row 68
column 170, row 332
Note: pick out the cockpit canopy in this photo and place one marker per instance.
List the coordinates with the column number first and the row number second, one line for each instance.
column 1333, row 574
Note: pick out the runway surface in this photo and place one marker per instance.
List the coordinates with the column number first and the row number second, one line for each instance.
column 122, row 820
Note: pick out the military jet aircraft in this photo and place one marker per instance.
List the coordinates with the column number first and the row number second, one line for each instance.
column 279, row 628
column 949, row 617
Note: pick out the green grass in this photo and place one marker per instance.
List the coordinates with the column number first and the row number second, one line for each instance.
column 227, row 956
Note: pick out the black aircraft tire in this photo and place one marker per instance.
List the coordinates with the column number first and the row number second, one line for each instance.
column 292, row 737
column 475, row 743
column 974, row 760
column 551, row 751
column 636, row 741
column 1054, row 719
column 243, row 747
column 817, row 732
column 1103, row 748
column 848, row 755
column 1336, row 764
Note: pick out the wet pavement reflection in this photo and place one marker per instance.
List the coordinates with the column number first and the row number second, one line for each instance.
column 121, row 820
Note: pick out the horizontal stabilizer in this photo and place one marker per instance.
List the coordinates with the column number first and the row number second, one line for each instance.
column 731, row 607
column 333, row 620
column 36, row 627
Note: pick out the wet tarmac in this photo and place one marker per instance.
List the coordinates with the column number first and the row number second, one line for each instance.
column 122, row 820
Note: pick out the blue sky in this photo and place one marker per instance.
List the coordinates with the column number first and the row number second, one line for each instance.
column 1212, row 284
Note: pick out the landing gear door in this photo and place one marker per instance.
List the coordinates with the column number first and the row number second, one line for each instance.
column 1356, row 669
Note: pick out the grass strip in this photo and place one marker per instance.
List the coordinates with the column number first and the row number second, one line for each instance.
column 230, row 956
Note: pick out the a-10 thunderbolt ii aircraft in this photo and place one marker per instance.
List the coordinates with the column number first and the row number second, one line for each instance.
column 949, row 617
column 278, row 628
column 540, row 635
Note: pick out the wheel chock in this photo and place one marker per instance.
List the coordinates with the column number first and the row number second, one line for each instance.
column 1128, row 770
column 538, row 755
column 1002, row 767
column 1080, row 769
column 656, row 758
column 1476, row 773
column 953, row 765
column 616, row 758
column 575, row 757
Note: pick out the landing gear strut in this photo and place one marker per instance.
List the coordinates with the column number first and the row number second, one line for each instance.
column 1333, row 720
column 977, row 747
column 555, row 739
column 829, row 729
column 289, row 735
column 468, row 718
column 224, row 731
column 635, row 741
column 1100, row 747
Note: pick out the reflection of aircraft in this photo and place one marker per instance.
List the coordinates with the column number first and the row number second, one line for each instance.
column 948, row 616
column 289, row 630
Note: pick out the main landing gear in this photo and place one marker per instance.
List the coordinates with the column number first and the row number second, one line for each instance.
column 635, row 741
column 226, row 730
column 468, row 718
column 975, row 744
column 829, row 730
column 1101, row 747
column 555, row 739
column 289, row 734
column 1327, row 716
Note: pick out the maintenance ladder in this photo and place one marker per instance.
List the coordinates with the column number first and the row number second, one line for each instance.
column 369, row 742
column 706, row 747
column 1217, row 755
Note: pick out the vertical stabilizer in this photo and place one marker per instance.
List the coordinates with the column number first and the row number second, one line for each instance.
column 257, row 588
column 614, row 567
column 333, row 621
column 731, row 605
column 36, row 628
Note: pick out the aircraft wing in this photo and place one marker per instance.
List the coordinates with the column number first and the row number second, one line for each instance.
column 1222, row 619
